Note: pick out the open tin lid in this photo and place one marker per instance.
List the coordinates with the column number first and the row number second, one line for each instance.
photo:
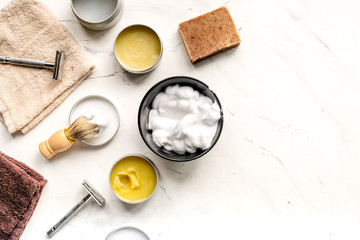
column 128, row 233
column 108, row 111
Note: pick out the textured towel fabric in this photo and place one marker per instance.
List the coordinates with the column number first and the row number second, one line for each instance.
column 20, row 190
column 29, row 30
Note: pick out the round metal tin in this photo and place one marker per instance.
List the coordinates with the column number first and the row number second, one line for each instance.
column 144, row 70
column 128, row 233
column 156, row 172
column 95, row 16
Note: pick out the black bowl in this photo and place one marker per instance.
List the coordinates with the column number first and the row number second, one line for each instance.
column 146, row 106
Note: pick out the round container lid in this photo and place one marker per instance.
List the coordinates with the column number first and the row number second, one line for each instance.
column 97, row 14
column 106, row 108
column 128, row 233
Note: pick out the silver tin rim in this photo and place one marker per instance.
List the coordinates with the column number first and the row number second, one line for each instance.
column 151, row 163
column 104, row 24
column 147, row 69
column 104, row 98
column 129, row 227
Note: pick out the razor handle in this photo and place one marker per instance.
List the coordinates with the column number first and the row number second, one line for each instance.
column 68, row 216
column 26, row 62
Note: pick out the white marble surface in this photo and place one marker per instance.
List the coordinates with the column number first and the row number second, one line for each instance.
column 287, row 163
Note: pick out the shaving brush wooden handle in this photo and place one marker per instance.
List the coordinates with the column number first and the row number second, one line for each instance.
column 58, row 142
column 80, row 129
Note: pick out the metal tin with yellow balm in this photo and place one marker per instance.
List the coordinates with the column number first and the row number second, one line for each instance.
column 138, row 49
column 133, row 178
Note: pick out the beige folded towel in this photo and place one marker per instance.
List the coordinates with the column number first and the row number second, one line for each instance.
column 29, row 30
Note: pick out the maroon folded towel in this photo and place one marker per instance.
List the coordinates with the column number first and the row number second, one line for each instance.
column 20, row 190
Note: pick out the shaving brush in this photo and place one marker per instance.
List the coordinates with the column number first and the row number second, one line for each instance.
column 80, row 129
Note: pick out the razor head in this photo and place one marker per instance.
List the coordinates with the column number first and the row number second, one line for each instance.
column 94, row 194
column 58, row 65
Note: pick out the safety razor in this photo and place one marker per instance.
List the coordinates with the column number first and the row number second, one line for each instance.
column 92, row 194
column 56, row 66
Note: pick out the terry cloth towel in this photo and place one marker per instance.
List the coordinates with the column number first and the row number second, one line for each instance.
column 20, row 190
column 29, row 30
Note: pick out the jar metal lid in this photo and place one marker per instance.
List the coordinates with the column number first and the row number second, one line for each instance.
column 128, row 232
column 88, row 14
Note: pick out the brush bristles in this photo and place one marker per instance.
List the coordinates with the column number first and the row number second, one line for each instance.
column 82, row 129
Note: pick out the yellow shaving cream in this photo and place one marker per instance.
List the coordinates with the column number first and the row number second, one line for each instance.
column 133, row 179
column 137, row 47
